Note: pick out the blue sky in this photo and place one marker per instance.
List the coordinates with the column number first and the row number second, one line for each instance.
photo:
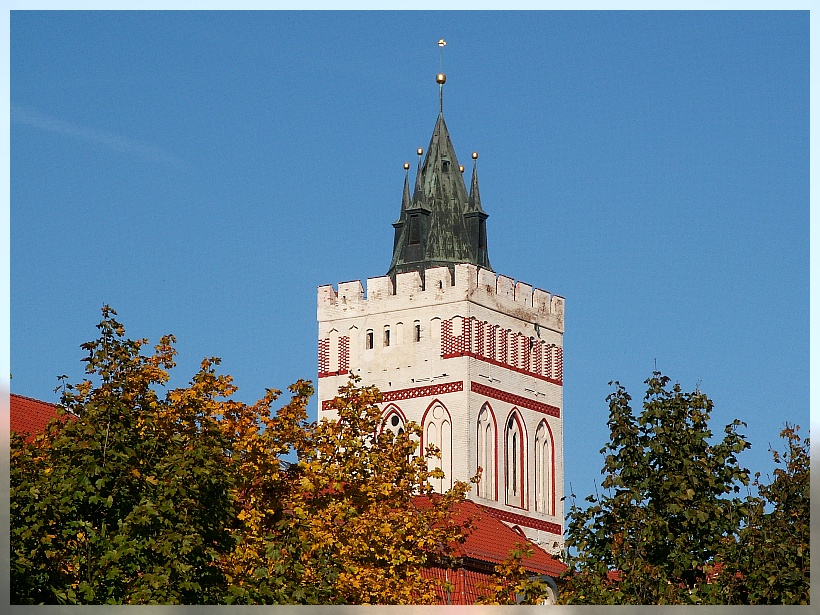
column 203, row 173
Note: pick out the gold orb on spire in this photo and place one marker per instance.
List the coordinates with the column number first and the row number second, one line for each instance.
column 475, row 155
column 441, row 42
column 406, row 165
column 441, row 78
column 419, row 151
column 461, row 168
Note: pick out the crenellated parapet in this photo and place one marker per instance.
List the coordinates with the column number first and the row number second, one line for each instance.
column 471, row 283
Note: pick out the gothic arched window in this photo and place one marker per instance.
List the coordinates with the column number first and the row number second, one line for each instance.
column 543, row 469
column 514, row 461
column 438, row 431
column 485, row 437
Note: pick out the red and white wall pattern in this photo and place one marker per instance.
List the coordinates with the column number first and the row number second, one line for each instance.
column 324, row 357
column 490, row 343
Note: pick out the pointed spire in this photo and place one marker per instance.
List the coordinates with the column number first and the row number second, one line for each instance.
column 405, row 197
column 474, row 204
column 443, row 224
column 417, row 189
column 398, row 225
column 476, row 219
column 439, row 178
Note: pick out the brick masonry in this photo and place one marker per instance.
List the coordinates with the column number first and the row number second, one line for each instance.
column 413, row 393
column 515, row 400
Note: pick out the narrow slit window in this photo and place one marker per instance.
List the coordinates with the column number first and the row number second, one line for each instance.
column 387, row 337
column 417, row 332
column 368, row 343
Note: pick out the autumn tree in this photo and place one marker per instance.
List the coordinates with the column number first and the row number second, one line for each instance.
column 512, row 583
column 768, row 561
column 667, row 504
column 358, row 518
column 193, row 497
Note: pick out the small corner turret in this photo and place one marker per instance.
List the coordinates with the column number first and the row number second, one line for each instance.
column 476, row 219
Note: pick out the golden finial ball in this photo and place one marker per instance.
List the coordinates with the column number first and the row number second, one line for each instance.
column 461, row 168
column 475, row 155
column 406, row 165
column 419, row 151
column 441, row 78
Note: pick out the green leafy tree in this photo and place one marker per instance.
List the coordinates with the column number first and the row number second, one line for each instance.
column 128, row 502
column 186, row 497
column 667, row 505
column 768, row 561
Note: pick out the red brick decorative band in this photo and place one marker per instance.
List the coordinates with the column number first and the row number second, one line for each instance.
column 510, row 517
column 516, row 400
column 338, row 372
column 512, row 368
column 343, row 354
column 324, row 356
column 434, row 389
column 412, row 393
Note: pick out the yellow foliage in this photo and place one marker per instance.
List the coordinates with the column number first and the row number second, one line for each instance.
column 350, row 499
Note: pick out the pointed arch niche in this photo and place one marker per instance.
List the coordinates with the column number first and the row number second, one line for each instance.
column 438, row 430
column 544, row 469
column 514, row 460
column 394, row 419
column 487, row 453
column 333, row 354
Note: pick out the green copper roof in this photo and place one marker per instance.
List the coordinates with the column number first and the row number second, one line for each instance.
column 441, row 224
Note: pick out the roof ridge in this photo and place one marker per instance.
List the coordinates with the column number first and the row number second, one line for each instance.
column 39, row 401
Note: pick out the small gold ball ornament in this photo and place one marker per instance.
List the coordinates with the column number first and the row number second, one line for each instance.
column 419, row 151
column 406, row 165
column 461, row 168
column 441, row 78
column 475, row 155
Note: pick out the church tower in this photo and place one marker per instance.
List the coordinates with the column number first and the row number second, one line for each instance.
column 472, row 356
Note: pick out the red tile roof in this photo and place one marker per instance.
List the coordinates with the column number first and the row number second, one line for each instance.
column 29, row 415
column 491, row 541
column 468, row 585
